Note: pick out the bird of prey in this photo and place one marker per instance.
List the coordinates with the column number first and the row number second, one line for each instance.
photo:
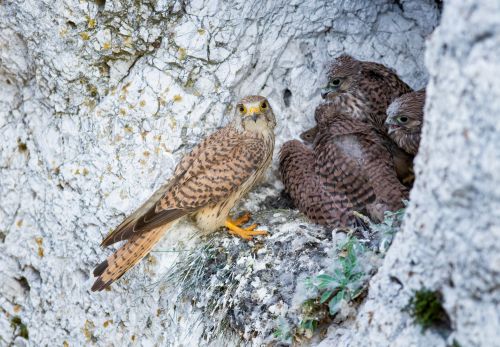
column 205, row 185
column 364, row 90
column 348, row 169
column 404, row 120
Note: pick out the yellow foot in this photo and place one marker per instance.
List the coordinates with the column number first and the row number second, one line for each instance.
column 245, row 233
column 241, row 220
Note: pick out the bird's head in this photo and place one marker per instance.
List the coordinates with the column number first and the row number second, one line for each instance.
column 308, row 136
column 253, row 113
column 343, row 76
column 405, row 114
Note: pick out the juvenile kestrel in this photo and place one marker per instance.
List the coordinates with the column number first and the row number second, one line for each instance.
column 363, row 90
column 404, row 120
column 349, row 169
column 205, row 185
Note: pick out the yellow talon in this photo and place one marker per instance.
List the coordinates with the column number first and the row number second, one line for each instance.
column 251, row 227
column 241, row 220
column 245, row 233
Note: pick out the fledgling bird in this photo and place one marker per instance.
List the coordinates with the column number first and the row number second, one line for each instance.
column 363, row 90
column 349, row 169
column 405, row 116
column 205, row 185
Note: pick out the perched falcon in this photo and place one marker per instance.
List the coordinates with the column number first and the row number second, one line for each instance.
column 205, row 185
column 349, row 169
column 404, row 120
column 363, row 90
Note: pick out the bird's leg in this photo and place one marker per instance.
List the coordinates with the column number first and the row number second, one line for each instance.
column 242, row 219
column 234, row 226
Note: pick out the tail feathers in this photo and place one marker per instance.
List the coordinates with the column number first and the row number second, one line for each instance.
column 117, row 264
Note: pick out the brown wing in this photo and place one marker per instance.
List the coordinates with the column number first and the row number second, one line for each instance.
column 339, row 165
column 214, row 170
column 211, row 172
column 310, row 186
column 368, row 160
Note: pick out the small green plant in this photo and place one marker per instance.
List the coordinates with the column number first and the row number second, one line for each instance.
column 344, row 283
column 427, row 310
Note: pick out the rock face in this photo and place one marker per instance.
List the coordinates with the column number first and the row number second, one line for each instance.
column 99, row 99
column 449, row 242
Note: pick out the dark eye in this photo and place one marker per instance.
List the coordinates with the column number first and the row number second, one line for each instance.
column 402, row 119
column 242, row 109
column 263, row 105
column 336, row 82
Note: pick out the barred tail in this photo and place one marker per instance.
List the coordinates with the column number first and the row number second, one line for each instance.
column 136, row 248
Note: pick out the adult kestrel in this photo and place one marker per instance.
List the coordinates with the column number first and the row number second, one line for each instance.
column 349, row 169
column 205, row 185
column 405, row 116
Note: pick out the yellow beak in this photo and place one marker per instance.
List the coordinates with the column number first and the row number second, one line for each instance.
column 253, row 110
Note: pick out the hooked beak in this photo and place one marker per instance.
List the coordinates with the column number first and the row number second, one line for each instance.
column 254, row 113
column 325, row 92
column 391, row 125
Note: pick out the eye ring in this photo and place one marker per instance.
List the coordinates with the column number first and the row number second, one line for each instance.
column 263, row 105
column 242, row 109
column 336, row 82
column 402, row 119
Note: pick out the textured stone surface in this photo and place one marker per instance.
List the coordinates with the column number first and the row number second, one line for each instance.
column 99, row 99
column 450, row 239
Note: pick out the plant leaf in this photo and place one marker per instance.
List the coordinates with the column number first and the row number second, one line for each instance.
column 334, row 304
column 324, row 281
column 326, row 295
column 325, row 277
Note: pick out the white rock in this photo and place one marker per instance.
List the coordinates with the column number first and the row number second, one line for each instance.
column 78, row 106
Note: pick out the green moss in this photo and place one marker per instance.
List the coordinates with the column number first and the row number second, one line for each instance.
column 20, row 328
column 427, row 310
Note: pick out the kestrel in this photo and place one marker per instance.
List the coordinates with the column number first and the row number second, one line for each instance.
column 404, row 120
column 349, row 169
column 363, row 90
column 205, row 185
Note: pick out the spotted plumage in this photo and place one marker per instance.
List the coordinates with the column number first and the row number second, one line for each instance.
column 404, row 120
column 363, row 90
column 205, row 185
column 348, row 169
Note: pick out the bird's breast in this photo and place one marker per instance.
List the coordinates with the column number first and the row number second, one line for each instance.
column 212, row 217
